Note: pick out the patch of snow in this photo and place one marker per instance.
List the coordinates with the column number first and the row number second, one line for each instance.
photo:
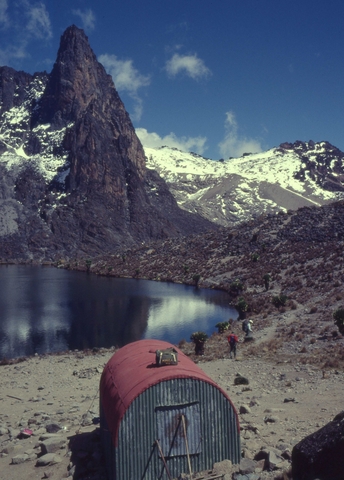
column 15, row 133
column 20, row 152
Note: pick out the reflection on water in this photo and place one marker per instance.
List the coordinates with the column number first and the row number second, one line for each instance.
column 44, row 309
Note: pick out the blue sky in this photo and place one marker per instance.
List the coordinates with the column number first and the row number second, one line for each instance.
column 217, row 77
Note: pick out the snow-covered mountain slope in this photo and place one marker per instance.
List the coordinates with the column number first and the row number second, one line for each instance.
column 18, row 142
column 235, row 190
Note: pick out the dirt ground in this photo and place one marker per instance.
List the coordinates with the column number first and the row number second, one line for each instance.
column 283, row 402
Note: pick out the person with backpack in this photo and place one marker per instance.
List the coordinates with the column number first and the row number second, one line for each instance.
column 249, row 328
column 232, row 341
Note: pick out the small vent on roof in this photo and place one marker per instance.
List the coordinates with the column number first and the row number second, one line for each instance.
column 169, row 356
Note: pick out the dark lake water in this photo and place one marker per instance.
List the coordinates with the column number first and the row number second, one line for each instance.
column 44, row 309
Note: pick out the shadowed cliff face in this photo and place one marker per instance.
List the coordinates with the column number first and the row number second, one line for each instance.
column 76, row 164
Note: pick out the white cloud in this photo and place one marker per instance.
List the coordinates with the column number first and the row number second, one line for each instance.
column 38, row 25
column 126, row 78
column 193, row 66
column 124, row 74
column 87, row 18
column 4, row 20
column 11, row 52
column 27, row 20
column 233, row 145
column 186, row 144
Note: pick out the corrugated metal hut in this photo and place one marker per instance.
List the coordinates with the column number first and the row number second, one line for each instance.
column 159, row 421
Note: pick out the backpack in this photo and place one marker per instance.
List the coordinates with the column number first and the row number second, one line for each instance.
column 244, row 326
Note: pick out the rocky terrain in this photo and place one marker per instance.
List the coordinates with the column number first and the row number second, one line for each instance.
column 294, row 366
column 56, row 397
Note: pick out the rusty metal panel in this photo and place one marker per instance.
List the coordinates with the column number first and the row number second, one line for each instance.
column 212, row 431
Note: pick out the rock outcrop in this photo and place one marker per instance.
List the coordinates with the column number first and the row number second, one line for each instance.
column 73, row 174
column 320, row 455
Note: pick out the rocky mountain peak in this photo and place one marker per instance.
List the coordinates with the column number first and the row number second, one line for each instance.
column 73, row 179
column 76, row 81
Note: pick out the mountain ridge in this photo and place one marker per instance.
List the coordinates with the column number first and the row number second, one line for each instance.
column 232, row 191
column 76, row 182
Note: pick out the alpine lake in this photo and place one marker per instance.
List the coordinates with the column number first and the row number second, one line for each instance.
column 48, row 310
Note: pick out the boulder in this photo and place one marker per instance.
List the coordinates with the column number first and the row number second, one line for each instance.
column 247, row 466
column 52, row 445
column 321, row 454
column 48, row 459
column 20, row 458
column 53, row 427
column 223, row 467
column 244, row 409
column 240, row 380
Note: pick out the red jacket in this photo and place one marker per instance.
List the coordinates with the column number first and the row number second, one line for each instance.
column 232, row 338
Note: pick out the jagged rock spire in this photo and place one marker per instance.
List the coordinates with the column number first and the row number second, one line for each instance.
column 98, row 197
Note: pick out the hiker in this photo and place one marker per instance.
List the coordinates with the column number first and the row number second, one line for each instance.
column 245, row 326
column 249, row 328
column 232, row 340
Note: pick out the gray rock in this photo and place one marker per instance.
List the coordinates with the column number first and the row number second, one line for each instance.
column 53, row 427
column 271, row 419
column 247, row 465
column 274, row 460
column 244, row 409
column 45, row 436
column 3, row 431
column 72, row 471
column 20, row 458
column 48, row 459
column 283, row 446
column 11, row 449
column 87, row 419
column 52, row 445
column 240, row 380
column 13, row 432
column 225, row 466
column 249, row 476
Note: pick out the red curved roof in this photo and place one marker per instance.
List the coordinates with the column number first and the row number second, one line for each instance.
column 132, row 370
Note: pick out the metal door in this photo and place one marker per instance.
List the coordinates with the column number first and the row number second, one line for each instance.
column 171, row 429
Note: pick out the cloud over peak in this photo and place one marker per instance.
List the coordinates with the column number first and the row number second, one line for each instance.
column 126, row 78
column 186, row 144
column 38, row 24
column 87, row 18
column 191, row 65
column 233, row 145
